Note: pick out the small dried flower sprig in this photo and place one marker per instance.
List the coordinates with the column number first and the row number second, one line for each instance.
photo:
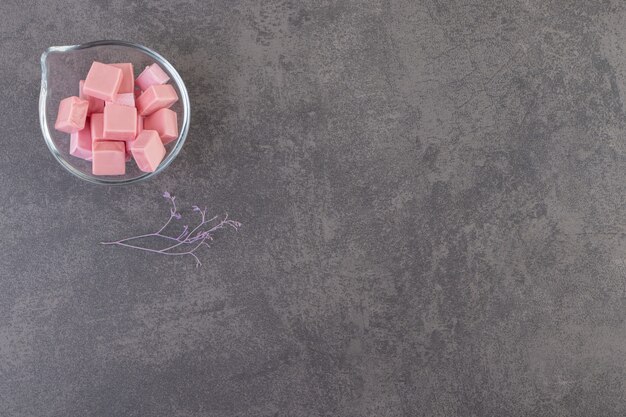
column 188, row 241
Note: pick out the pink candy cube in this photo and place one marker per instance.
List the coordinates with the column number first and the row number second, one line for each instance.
column 128, row 153
column 72, row 115
column 125, row 99
column 95, row 104
column 128, row 78
column 139, row 124
column 152, row 75
column 155, row 98
column 120, row 122
column 165, row 122
column 80, row 143
column 148, row 150
column 129, row 143
column 103, row 81
column 97, row 126
column 108, row 158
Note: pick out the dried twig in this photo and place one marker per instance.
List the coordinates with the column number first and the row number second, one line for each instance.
column 188, row 241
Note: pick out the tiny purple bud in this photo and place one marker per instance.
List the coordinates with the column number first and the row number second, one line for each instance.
column 177, row 216
column 166, row 194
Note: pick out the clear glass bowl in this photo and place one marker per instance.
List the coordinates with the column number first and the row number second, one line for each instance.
column 62, row 67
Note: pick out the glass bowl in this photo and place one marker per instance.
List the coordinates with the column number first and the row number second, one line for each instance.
column 62, row 67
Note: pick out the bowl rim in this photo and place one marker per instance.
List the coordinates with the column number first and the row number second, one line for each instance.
column 184, row 97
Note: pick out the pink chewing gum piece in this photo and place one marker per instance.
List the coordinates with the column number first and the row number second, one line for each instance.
column 108, row 158
column 152, row 75
column 155, row 98
column 80, row 143
column 128, row 152
column 103, row 81
column 165, row 122
column 97, row 126
column 128, row 77
column 72, row 115
column 148, row 150
column 120, row 122
column 125, row 99
column 95, row 104
column 129, row 143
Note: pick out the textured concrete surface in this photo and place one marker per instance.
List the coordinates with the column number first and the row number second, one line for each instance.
column 433, row 199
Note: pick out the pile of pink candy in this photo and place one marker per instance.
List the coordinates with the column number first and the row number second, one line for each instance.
column 112, row 120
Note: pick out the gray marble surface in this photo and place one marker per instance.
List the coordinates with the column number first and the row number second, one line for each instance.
column 432, row 195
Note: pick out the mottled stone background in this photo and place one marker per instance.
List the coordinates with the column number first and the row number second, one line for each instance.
column 433, row 199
